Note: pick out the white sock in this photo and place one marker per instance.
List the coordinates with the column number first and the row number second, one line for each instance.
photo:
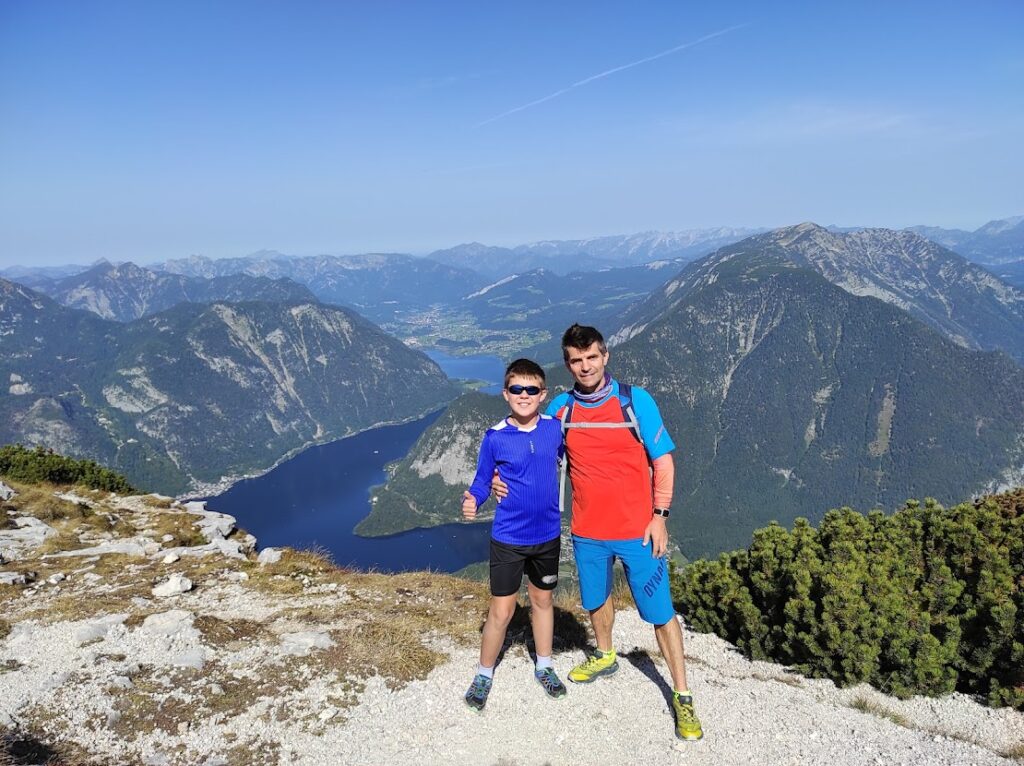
column 544, row 662
column 484, row 671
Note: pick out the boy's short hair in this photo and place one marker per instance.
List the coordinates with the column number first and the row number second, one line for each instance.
column 527, row 368
column 582, row 336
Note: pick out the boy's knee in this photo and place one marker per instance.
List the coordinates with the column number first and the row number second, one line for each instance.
column 502, row 613
column 541, row 599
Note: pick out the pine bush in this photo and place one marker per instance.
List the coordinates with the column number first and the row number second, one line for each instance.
column 925, row 601
column 34, row 466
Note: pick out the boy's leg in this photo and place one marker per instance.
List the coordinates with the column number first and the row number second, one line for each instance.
column 542, row 570
column 498, row 618
column 542, row 619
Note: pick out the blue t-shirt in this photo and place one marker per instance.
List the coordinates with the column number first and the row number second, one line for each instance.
column 527, row 461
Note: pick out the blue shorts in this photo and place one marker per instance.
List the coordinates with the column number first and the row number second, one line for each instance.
column 647, row 576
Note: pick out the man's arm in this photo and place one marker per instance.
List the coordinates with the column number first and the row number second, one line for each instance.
column 664, row 478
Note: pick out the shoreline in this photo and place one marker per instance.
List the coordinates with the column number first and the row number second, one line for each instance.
column 208, row 490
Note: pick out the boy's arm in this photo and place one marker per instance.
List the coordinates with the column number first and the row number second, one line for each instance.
column 480, row 490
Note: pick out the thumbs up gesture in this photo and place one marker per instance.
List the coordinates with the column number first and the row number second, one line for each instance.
column 468, row 506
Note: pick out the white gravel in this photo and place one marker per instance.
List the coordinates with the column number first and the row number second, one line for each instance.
column 752, row 712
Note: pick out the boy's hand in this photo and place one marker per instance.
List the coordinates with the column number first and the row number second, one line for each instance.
column 498, row 487
column 468, row 506
column 657, row 534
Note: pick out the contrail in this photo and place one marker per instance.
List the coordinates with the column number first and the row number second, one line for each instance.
column 590, row 79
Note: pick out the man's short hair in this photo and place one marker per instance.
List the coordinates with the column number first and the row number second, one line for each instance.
column 526, row 368
column 582, row 336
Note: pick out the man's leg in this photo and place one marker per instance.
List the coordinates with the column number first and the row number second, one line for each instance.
column 670, row 641
column 594, row 566
column 603, row 620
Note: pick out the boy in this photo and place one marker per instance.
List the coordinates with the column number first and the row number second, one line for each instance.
column 526, row 535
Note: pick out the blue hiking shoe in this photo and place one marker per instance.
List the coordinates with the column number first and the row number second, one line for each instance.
column 550, row 682
column 476, row 695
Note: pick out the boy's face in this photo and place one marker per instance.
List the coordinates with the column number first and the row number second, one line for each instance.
column 524, row 405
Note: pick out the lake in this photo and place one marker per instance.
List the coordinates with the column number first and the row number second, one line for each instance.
column 478, row 367
column 317, row 497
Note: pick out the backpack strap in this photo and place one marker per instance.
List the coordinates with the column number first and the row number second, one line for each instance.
column 629, row 420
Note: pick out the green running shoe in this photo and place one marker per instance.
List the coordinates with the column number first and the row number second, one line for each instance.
column 548, row 679
column 476, row 695
column 598, row 664
column 687, row 723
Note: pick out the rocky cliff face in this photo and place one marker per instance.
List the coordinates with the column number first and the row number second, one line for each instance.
column 425, row 488
column 788, row 396
column 126, row 292
column 959, row 299
column 201, row 392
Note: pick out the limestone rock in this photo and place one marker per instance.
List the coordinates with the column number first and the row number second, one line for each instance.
column 269, row 556
column 173, row 586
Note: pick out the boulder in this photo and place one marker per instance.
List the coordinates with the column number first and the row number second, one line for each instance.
column 173, row 586
column 269, row 556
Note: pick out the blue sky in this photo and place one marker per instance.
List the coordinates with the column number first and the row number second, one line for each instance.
column 149, row 130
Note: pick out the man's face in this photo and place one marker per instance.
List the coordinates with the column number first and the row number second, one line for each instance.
column 587, row 366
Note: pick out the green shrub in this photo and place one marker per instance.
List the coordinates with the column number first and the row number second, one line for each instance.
column 34, row 466
column 924, row 601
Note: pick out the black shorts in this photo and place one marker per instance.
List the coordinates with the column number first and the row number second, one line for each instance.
column 508, row 562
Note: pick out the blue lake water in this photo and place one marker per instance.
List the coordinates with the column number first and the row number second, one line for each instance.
column 478, row 367
column 317, row 497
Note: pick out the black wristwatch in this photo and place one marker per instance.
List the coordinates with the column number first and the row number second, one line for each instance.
column 663, row 512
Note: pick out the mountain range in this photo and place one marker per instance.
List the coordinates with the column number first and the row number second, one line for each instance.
column 999, row 241
column 961, row 300
column 566, row 256
column 125, row 292
column 789, row 394
column 200, row 392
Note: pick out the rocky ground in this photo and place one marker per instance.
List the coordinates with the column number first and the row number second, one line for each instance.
column 136, row 630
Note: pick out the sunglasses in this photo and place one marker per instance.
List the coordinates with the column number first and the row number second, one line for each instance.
column 515, row 390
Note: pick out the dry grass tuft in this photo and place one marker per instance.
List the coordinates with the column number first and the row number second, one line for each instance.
column 392, row 650
column 864, row 705
column 221, row 633
column 1015, row 752
column 788, row 680
column 5, row 629
column 40, row 502
column 181, row 528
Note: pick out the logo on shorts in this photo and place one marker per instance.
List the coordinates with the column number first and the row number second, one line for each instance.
column 549, row 579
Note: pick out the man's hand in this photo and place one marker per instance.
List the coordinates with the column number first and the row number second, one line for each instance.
column 657, row 534
column 498, row 487
column 468, row 506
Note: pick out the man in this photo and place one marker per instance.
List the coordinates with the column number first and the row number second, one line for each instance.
column 621, row 471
